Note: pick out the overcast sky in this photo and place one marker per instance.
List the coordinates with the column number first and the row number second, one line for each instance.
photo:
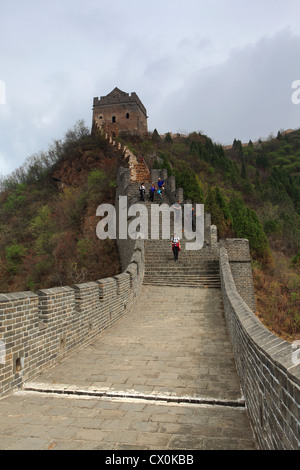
column 222, row 67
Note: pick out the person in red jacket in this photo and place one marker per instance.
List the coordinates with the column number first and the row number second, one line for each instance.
column 175, row 246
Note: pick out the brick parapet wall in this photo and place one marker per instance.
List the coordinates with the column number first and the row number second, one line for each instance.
column 38, row 329
column 268, row 371
column 19, row 327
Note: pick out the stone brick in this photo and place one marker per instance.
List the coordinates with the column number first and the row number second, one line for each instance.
column 263, row 361
column 119, row 112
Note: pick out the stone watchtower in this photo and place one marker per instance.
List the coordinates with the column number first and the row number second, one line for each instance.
column 119, row 112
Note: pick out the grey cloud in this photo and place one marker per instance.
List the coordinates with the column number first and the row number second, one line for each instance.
column 176, row 56
column 247, row 96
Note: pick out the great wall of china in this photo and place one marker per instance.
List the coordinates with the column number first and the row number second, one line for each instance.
column 39, row 330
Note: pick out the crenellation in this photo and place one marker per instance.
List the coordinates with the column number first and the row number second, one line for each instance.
column 107, row 288
column 86, row 296
column 40, row 328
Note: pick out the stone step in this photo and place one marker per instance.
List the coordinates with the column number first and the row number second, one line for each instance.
column 163, row 245
column 199, row 254
column 183, row 276
column 146, row 201
column 182, row 283
column 159, row 263
column 175, row 267
column 167, row 249
column 179, row 272
column 184, row 263
column 195, row 275
column 185, row 260
column 180, row 275
column 185, row 255
column 182, row 279
column 139, row 171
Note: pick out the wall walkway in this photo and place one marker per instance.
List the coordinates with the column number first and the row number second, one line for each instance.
column 162, row 377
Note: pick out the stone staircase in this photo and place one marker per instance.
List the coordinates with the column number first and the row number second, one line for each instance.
column 197, row 268
column 139, row 172
column 142, row 173
column 133, row 193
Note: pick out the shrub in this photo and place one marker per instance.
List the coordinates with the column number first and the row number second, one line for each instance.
column 42, row 229
column 246, row 225
column 216, row 205
column 273, row 227
column 16, row 199
column 188, row 181
column 14, row 254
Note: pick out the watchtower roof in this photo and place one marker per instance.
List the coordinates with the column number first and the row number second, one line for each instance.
column 117, row 96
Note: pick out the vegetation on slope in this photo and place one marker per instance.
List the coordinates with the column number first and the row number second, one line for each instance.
column 48, row 215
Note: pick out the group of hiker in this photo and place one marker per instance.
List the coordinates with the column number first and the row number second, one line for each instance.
column 158, row 191
column 153, row 190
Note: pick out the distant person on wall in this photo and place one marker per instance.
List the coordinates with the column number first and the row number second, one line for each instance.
column 175, row 246
column 159, row 195
column 152, row 192
column 177, row 210
column 142, row 192
column 160, row 183
column 191, row 215
column 188, row 218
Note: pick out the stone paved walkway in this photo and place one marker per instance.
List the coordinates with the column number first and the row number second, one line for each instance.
column 163, row 377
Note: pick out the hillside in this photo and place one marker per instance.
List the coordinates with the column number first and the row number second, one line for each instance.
column 48, row 215
column 48, row 207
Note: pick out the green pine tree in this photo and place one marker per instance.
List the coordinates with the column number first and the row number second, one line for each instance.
column 246, row 225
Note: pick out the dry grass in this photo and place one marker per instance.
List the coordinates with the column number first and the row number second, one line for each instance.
column 278, row 297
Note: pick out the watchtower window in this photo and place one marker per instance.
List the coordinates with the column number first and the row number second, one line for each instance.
column 113, row 119
column 127, row 115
